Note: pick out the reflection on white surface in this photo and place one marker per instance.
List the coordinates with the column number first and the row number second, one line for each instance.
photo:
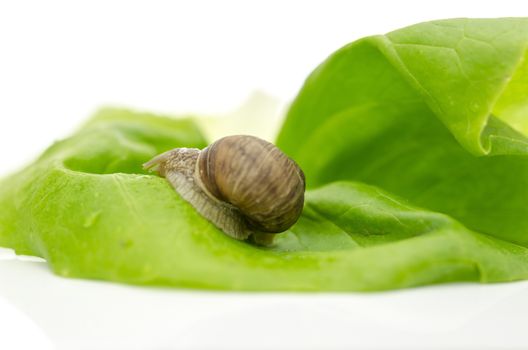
column 18, row 331
column 81, row 314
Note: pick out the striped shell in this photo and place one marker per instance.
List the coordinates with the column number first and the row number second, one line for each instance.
column 254, row 176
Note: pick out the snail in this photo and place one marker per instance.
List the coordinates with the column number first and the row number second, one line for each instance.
column 244, row 185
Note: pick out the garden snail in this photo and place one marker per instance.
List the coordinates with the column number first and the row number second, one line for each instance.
column 244, row 185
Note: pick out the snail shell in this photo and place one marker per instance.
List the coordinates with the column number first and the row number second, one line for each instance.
column 244, row 185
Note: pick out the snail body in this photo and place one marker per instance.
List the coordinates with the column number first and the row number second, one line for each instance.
column 244, row 185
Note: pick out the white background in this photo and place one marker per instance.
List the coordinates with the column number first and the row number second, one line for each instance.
column 61, row 60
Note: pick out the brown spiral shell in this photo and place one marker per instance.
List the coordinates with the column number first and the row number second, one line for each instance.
column 254, row 176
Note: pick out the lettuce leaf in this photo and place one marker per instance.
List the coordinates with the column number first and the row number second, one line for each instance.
column 432, row 113
column 414, row 151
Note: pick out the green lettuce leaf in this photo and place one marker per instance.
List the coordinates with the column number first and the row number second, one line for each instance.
column 88, row 210
column 429, row 115
column 433, row 113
